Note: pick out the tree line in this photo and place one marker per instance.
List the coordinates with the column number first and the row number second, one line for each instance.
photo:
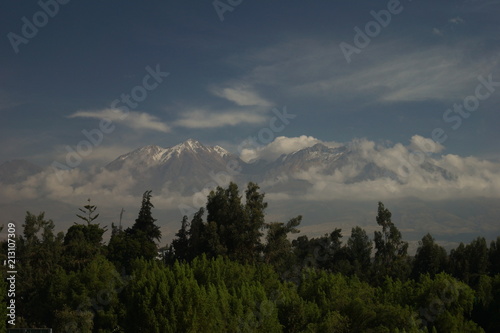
column 229, row 270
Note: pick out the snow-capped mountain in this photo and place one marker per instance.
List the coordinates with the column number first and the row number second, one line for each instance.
column 326, row 161
column 154, row 156
column 185, row 167
column 322, row 182
column 189, row 166
column 319, row 156
column 348, row 163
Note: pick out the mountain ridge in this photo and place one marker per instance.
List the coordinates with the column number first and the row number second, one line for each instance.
column 191, row 164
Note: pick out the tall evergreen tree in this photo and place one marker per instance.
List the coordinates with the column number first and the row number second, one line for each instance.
column 197, row 235
column 255, row 222
column 359, row 248
column 144, row 232
column 137, row 241
column 330, row 254
column 234, row 229
column 278, row 249
column 494, row 256
column 88, row 211
column 469, row 262
column 220, row 224
column 83, row 242
column 145, row 223
column 181, row 244
column 459, row 263
column 390, row 258
column 477, row 253
column 235, row 225
column 39, row 254
column 430, row 258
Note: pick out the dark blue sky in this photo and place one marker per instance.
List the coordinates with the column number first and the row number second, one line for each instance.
column 225, row 77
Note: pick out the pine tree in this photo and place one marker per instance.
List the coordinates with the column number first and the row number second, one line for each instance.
column 89, row 210
column 144, row 232
column 145, row 223
column 181, row 244
column 137, row 241
column 197, row 233
column 83, row 242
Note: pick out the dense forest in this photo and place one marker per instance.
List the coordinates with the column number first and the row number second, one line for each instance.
column 229, row 270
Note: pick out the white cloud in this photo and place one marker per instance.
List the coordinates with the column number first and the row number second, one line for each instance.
column 471, row 177
column 297, row 193
column 419, row 143
column 250, row 109
column 281, row 145
column 112, row 189
column 242, row 96
column 436, row 73
column 437, row 32
column 394, row 71
column 132, row 119
column 456, row 20
column 207, row 119
column 466, row 177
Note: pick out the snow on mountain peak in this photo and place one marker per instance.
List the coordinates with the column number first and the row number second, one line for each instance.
column 151, row 152
column 221, row 151
column 152, row 155
column 188, row 145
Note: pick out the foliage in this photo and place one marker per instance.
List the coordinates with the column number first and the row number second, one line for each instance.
column 234, row 272
column 89, row 210
column 137, row 241
column 39, row 256
column 278, row 248
column 390, row 257
column 430, row 258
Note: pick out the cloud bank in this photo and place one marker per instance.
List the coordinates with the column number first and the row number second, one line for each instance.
column 426, row 175
column 412, row 170
column 437, row 178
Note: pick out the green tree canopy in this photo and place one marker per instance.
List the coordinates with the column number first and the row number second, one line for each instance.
column 391, row 250
column 430, row 258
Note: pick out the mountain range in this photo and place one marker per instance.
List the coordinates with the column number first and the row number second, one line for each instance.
column 452, row 197
column 190, row 165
